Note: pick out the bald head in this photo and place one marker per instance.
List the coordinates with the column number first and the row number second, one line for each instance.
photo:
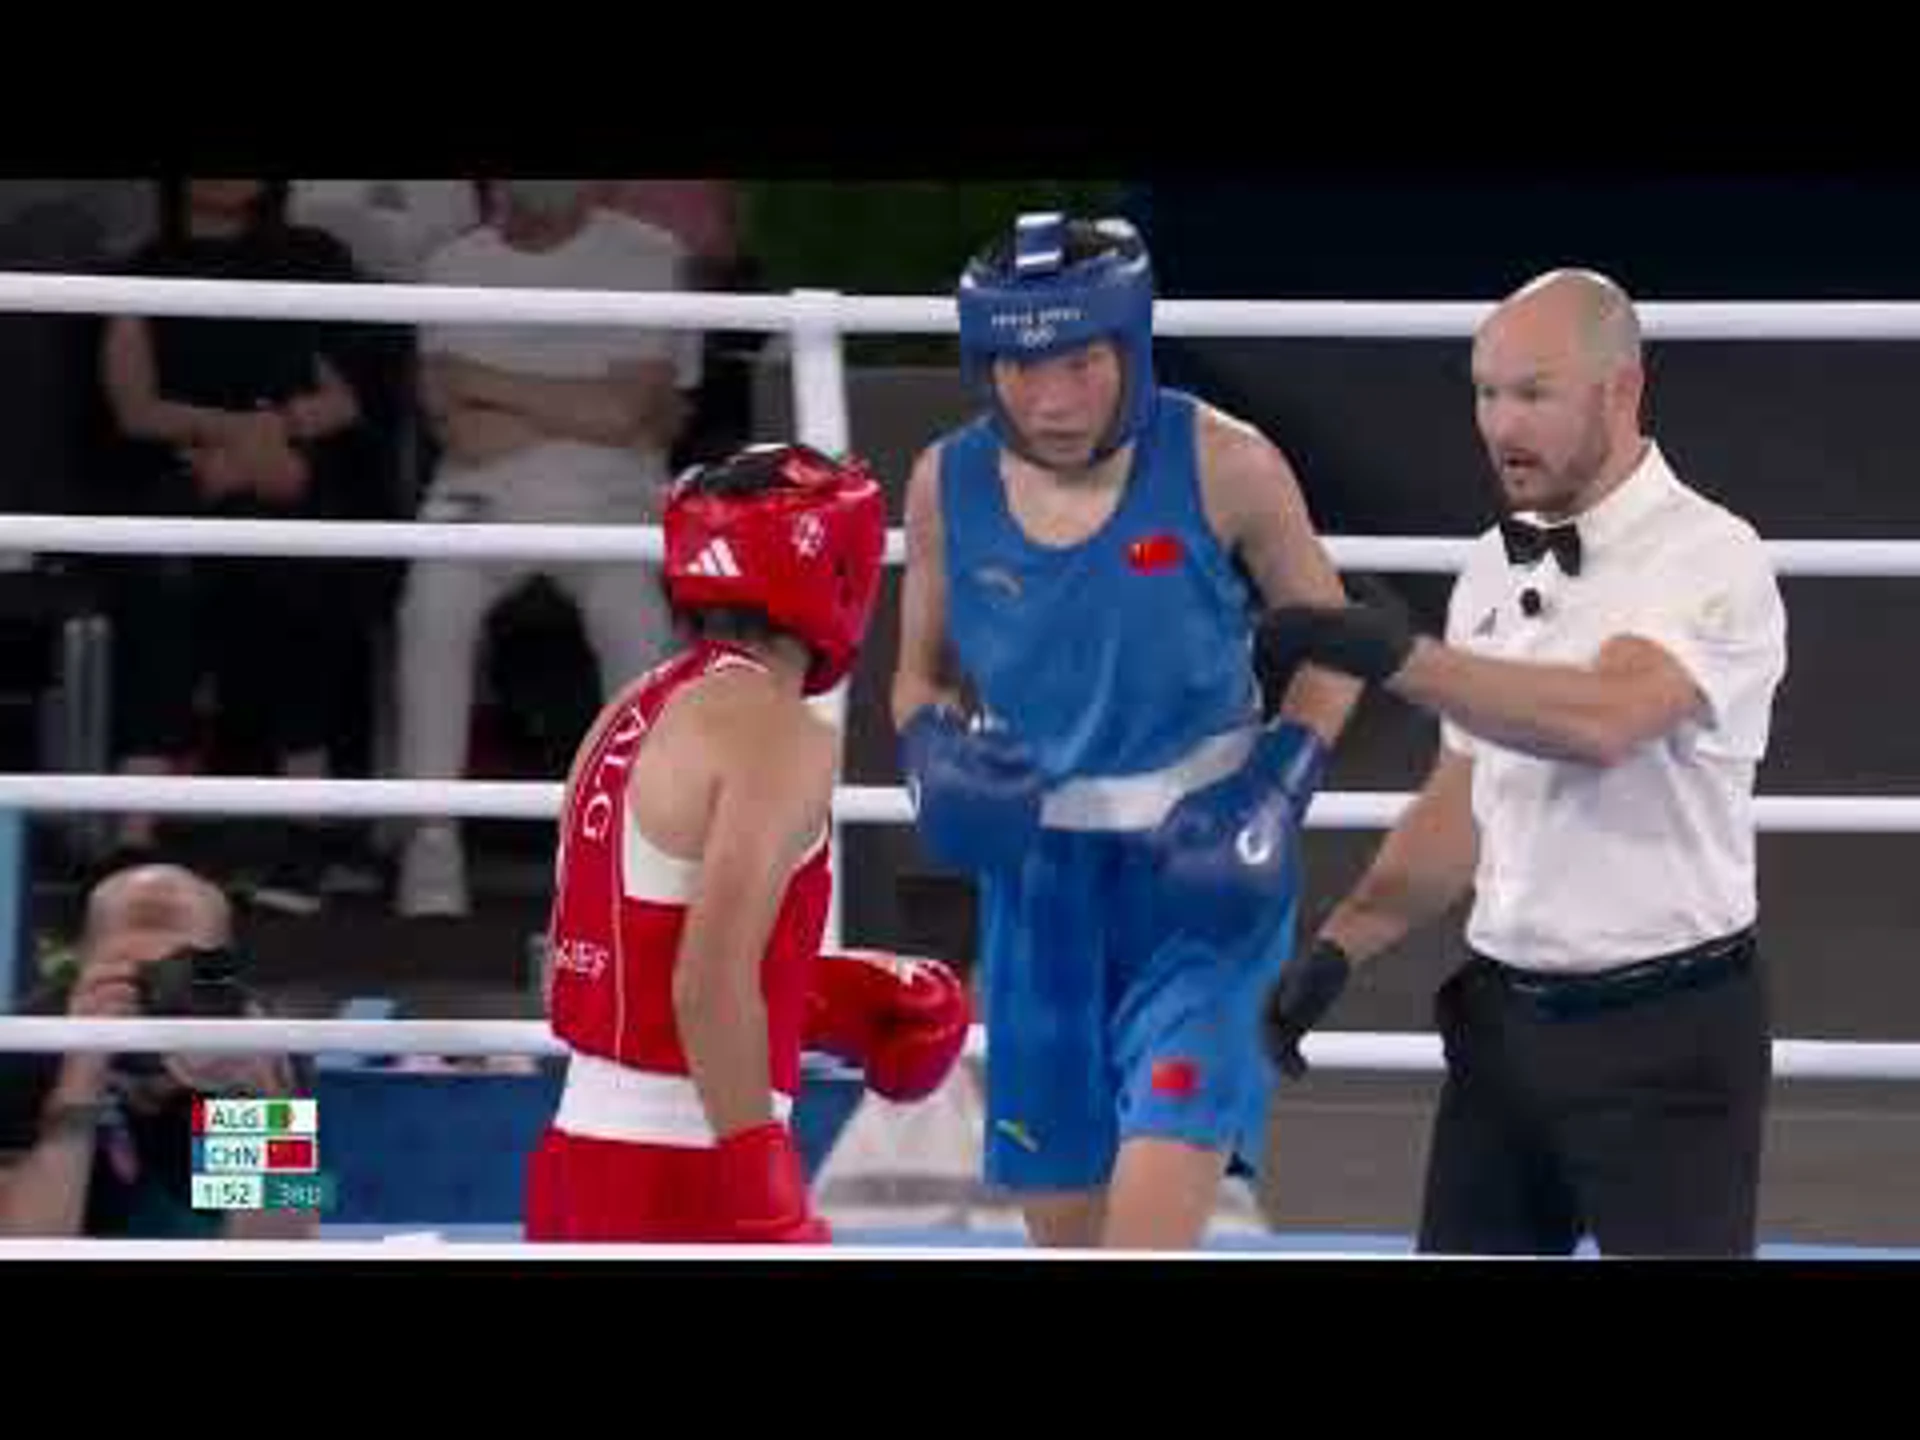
column 1585, row 307
column 1558, row 381
column 159, row 899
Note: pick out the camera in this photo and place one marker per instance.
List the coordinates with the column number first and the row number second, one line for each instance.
column 202, row 984
column 190, row 984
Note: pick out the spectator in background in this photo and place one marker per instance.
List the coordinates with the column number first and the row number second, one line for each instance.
column 102, row 1145
column 701, row 214
column 535, row 423
column 704, row 216
column 390, row 226
column 244, row 418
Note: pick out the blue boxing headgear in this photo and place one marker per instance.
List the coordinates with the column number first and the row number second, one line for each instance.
column 1062, row 284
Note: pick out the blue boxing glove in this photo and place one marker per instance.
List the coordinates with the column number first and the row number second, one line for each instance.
column 1228, row 854
column 976, row 793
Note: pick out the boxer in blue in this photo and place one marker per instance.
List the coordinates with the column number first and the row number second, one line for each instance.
column 1079, row 559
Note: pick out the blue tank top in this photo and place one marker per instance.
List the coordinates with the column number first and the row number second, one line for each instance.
column 1116, row 655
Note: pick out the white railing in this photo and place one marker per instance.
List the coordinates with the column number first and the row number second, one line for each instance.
column 852, row 804
column 584, row 544
column 1327, row 1050
column 829, row 312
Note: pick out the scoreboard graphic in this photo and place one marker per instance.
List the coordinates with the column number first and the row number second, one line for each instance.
column 258, row 1155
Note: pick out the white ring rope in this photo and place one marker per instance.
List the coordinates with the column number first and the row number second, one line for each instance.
column 35, row 292
column 1327, row 1050
column 587, row 544
column 856, row 804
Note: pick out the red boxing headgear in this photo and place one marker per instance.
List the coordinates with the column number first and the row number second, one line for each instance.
column 784, row 530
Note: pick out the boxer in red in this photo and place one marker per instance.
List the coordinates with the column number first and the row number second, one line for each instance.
column 692, row 883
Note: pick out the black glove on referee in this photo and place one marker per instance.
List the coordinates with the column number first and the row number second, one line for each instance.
column 1298, row 1001
column 1370, row 639
column 1369, row 642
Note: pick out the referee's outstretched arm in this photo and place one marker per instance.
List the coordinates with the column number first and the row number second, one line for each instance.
column 1633, row 692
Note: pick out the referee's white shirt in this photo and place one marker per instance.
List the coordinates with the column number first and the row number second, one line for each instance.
column 1584, row 867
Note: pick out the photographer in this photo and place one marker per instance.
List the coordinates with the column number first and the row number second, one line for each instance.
column 102, row 1145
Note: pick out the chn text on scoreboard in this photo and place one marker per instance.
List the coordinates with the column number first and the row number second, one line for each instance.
column 258, row 1155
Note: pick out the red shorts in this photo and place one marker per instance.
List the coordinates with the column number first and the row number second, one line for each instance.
column 581, row 1190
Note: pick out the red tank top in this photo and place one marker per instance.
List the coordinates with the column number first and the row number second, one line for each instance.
column 620, row 904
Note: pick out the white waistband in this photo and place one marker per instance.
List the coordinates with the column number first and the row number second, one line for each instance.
column 1140, row 802
column 605, row 1101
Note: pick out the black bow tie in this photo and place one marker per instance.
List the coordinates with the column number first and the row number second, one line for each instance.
column 1527, row 544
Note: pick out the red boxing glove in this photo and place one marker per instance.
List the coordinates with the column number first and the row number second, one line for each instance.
column 762, row 1191
column 903, row 1019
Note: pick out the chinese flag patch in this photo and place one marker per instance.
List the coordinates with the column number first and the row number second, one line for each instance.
column 1152, row 553
column 1178, row 1078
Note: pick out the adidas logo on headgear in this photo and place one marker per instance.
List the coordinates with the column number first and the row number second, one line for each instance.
column 716, row 559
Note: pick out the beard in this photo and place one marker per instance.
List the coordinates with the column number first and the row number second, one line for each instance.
column 1555, row 490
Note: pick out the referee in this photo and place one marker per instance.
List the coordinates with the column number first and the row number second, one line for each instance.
column 1605, row 690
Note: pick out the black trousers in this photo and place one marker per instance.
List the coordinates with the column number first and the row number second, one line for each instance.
column 1634, row 1118
column 274, row 634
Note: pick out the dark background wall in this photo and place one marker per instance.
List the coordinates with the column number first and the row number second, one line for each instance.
column 1465, row 235
column 48, row 361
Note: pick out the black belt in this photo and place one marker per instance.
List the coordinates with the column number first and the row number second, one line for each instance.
column 1559, row 996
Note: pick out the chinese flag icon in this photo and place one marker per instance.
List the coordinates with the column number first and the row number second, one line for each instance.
column 1178, row 1078
column 1152, row 553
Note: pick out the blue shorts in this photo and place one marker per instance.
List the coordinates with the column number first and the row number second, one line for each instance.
column 1106, row 1023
